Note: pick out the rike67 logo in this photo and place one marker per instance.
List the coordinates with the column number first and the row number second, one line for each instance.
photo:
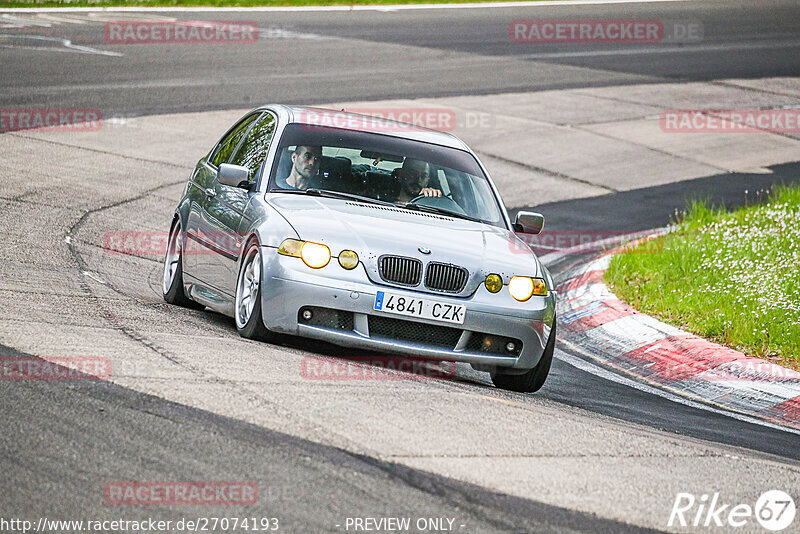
column 774, row 510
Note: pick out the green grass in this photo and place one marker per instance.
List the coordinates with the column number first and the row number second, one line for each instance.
column 218, row 3
column 730, row 277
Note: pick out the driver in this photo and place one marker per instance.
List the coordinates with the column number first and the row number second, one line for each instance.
column 414, row 176
column 305, row 165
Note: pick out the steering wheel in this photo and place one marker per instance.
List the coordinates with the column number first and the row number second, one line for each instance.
column 444, row 195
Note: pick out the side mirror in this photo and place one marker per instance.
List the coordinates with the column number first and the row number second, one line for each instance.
column 529, row 222
column 234, row 175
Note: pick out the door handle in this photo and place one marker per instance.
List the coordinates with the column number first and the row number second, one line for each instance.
column 210, row 192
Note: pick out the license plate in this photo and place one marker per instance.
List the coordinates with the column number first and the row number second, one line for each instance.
column 423, row 308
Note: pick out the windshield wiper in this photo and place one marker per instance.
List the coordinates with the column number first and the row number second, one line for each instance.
column 440, row 211
column 347, row 196
column 367, row 200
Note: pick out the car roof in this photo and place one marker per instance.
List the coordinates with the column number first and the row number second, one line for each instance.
column 316, row 116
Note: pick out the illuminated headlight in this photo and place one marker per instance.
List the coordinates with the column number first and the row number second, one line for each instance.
column 315, row 255
column 348, row 259
column 494, row 283
column 523, row 287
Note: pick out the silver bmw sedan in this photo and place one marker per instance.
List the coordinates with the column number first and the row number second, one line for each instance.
column 366, row 233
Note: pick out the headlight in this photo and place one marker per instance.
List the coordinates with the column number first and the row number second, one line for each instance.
column 494, row 283
column 348, row 259
column 523, row 287
column 315, row 255
column 290, row 247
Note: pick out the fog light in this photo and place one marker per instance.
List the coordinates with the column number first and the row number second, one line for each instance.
column 510, row 346
column 307, row 315
column 494, row 283
column 348, row 259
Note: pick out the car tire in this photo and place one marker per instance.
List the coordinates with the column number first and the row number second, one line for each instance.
column 172, row 284
column 534, row 379
column 247, row 306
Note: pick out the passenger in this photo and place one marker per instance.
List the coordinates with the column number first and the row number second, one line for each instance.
column 414, row 176
column 305, row 165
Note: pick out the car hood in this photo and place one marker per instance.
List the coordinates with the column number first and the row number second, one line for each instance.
column 374, row 230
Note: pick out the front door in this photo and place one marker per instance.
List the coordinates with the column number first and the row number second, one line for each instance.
column 227, row 207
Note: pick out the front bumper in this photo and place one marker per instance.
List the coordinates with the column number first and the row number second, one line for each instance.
column 289, row 286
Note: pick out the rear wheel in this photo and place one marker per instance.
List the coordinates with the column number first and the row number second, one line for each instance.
column 249, row 319
column 172, row 285
column 534, row 379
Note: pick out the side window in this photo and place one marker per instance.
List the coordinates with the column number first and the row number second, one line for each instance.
column 254, row 149
column 225, row 148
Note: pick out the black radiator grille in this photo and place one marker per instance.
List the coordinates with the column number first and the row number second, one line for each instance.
column 400, row 270
column 445, row 277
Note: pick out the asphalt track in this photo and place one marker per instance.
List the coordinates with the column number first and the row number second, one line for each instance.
column 60, row 443
column 317, row 57
column 309, row 487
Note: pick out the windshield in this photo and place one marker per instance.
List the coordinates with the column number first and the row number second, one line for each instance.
column 385, row 169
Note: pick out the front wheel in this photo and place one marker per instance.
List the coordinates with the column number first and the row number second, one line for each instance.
column 249, row 320
column 534, row 379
